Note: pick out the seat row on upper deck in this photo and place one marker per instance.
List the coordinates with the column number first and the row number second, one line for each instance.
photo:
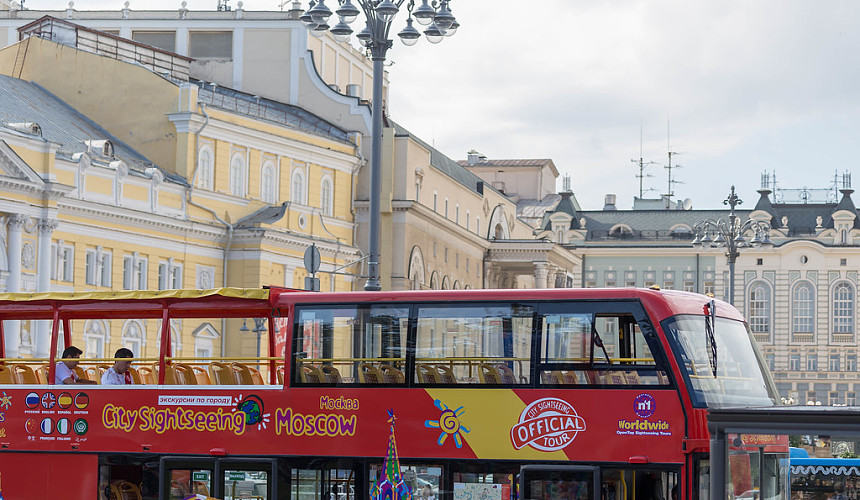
column 215, row 373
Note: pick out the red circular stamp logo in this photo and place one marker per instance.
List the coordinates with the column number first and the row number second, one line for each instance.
column 548, row 424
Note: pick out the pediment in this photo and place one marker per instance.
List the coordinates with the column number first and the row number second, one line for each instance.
column 11, row 165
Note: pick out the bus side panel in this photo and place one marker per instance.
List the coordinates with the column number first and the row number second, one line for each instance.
column 70, row 476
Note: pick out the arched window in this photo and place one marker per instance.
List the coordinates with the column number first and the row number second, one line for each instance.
column 95, row 338
column 499, row 232
column 843, row 308
column 132, row 337
column 759, row 308
column 267, row 183
column 237, row 175
column 298, row 187
column 326, row 196
column 204, row 168
column 803, row 308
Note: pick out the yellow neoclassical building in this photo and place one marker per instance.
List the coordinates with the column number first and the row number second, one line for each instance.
column 117, row 177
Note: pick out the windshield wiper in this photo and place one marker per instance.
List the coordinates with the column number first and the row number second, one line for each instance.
column 710, row 311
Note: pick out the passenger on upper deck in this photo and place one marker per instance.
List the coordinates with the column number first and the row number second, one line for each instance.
column 65, row 369
column 118, row 374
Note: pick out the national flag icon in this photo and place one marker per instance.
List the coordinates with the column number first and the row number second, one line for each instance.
column 81, row 427
column 30, row 426
column 63, row 426
column 49, row 400
column 65, row 400
column 47, row 425
column 81, row 400
column 32, row 400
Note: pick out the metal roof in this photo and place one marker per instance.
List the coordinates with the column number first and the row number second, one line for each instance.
column 25, row 102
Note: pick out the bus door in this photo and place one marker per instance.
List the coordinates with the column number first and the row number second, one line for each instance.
column 181, row 477
column 639, row 483
column 225, row 478
column 246, row 478
column 559, row 482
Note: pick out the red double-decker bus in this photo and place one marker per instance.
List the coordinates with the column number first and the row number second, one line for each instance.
column 497, row 394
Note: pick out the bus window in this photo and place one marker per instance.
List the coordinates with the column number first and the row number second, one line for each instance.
column 551, row 482
column 590, row 347
column 741, row 375
column 473, row 344
column 350, row 345
column 334, row 483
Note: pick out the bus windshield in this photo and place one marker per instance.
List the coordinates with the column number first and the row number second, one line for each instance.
column 741, row 379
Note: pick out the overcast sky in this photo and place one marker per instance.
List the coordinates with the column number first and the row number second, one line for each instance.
column 746, row 87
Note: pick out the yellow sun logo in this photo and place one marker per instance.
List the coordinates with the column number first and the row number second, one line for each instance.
column 5, row 401
column 449, row 422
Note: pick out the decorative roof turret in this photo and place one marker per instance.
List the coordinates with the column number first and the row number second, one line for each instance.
column 846, row 203
column 764, row 201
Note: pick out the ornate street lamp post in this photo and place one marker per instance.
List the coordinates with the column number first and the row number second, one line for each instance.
column 719, row 233
column 378, row 17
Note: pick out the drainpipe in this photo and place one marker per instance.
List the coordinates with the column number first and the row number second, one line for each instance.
column 336, row 251
column 362, row 161
column 214, row 214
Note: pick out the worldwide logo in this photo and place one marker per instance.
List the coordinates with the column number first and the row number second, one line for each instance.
column 81, row 427
column 548, row 424
column 48, row 400
column 644, row 405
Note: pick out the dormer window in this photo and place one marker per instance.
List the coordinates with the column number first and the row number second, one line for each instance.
column 102, row 147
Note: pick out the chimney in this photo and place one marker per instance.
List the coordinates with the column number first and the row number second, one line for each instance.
column 473, row 157
column 353, row 90
column 609, row 202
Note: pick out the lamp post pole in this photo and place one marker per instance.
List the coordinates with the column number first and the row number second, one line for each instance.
column 719, row 233
column 378, row 16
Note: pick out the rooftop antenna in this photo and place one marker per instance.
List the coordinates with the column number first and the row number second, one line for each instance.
column 670, row 193
column 642, row 164
column 565, row 182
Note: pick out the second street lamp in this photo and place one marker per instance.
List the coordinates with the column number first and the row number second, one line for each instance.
column 729, row 234
column 378, row 16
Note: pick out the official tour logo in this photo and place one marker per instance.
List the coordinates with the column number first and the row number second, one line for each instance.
column 548, row 424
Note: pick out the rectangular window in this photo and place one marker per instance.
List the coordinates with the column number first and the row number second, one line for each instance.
column 668, row 285
column 98, row 268
column 834, row 399
column 351, row 344
column 850, row 362
column 850, row 398
column 133, row 273
column 834, row 363
column 62, row 262
column 217, row 44
column 812, row 362
column 794, row 362
column 169, row 276
column 589, row 347
column 689, row 286
column 164, row 40
column 474, row 344
column 771, row 361
column 708, row 288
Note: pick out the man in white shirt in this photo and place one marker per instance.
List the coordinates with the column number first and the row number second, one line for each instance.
column 118, row 374
column 64, row 372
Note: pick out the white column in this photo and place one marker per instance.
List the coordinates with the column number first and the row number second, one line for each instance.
column 541, row 272
column 12, row 329
column 43, row 272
